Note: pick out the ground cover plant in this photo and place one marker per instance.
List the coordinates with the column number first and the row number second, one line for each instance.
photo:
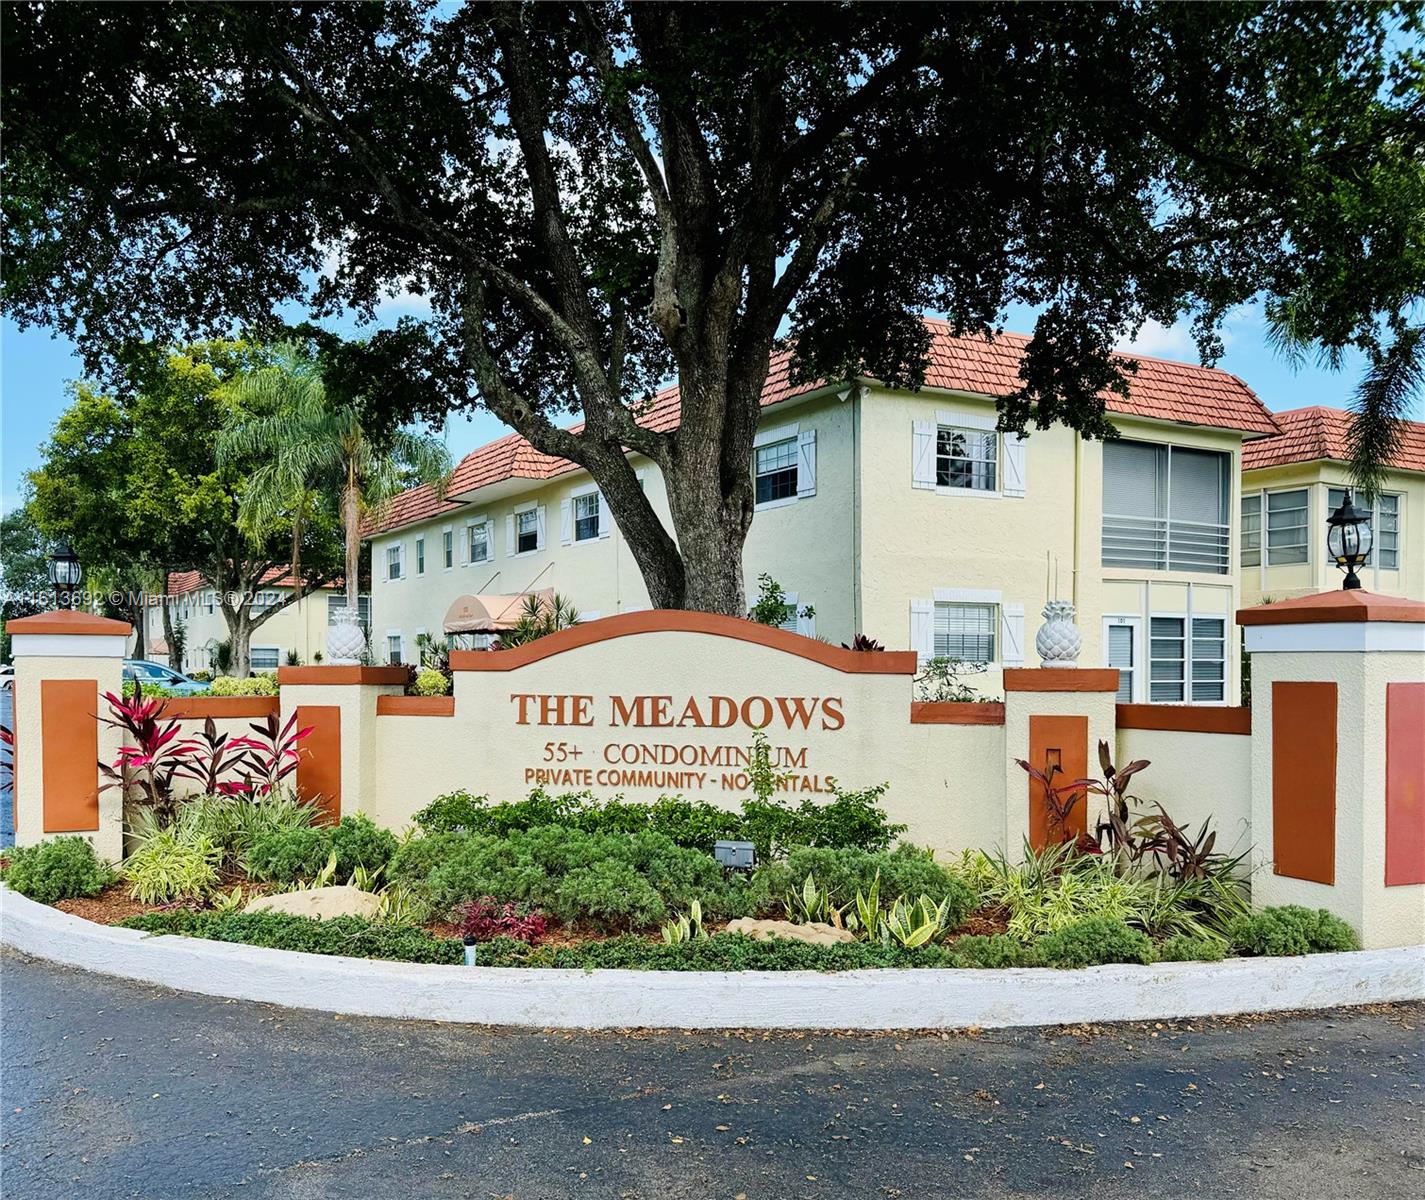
column 1291, row 929
column 61, row 868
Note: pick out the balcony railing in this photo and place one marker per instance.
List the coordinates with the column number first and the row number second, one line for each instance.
column 1157, row 544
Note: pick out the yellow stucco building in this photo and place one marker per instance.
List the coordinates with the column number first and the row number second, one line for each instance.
column 1292, row 482
column 903, row 516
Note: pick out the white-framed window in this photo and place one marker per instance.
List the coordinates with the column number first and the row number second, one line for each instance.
column 447, row 547
column 1165, row 508
column 264, row 658
column 420, row 556
column 477, row 542
column 1187, row 660
column 527, row 531
column 393, row 561
column 1120, row 642
column 965, row 631
column 775, row 471
column 208, row 602
column 395, row 651
column 337, row 601
column 1287, row 535
column 1252, row 530
column 586, row 516
column 966, row 458
column 801, row 616
column 1385, row 527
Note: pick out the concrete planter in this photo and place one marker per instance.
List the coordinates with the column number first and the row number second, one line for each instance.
column 876, row 999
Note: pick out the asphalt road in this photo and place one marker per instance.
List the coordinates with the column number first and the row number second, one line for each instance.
column 116, row 1090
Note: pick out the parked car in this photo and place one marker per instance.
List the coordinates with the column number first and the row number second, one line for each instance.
column 152, row 674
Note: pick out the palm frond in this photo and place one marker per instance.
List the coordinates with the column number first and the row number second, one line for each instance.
column 1396, row 376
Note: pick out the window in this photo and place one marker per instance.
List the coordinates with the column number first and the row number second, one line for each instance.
column 420, row 556
column 1181, row 671
column 526, row 531
column 393, row 649
column 776, row 470
column 966, row 458
column 1385, row 528
column 477, row 541
column 337, row 600
column 393, row 562
column 586, row 516
column 264, row 658
column 965, row 631
column 1286, row 527
column 1252, row 530
column 1122, row 649
column 447, row 540
column 208, row 601
column 1165, row 508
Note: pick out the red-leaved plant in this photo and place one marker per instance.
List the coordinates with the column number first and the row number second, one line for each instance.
column 153, row 756
column 214, row 755
column 271, row 756
column 486, row 918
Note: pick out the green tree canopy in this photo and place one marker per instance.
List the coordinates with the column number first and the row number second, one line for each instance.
column 595, row 196
column 135, row 486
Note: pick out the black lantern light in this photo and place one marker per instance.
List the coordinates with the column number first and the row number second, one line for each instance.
column 64, row 573
column 1348, row 539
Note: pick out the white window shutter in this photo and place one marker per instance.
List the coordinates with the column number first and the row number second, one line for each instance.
column 923, row 454
column 922, row 629
column 510, row 536
column 401, row 559
column 566, row 522
column 806, row 625
column 806, row 463
column 1015, row 476
column 539, row 528
column 1011, row 627
column 606, row 521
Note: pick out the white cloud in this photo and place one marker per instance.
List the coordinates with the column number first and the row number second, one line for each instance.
column 1164, row 341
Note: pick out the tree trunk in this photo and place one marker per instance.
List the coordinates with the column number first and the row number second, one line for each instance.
column 351, row 523
column 711, row 530
column 239, row 622
column 174, row 656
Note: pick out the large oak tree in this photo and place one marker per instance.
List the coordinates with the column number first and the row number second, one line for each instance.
column 597, row 197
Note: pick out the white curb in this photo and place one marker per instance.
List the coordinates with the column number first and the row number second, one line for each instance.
column 572, row 999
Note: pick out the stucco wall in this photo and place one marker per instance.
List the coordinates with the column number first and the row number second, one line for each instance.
column 1196, row 777
column 301, row 627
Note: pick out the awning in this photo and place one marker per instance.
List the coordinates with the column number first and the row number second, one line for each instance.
column 489, row 613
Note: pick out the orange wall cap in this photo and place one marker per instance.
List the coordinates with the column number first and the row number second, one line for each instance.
column 65, row 620
column 1328, row 607
column 333, row 675
column 1061, row 679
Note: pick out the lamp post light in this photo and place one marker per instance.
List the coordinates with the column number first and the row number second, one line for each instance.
column 1348, row 540
column 64, row 574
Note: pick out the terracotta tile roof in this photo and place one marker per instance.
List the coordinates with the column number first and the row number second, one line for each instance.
column 1161, row 389
column 1310, row 434
column 180, row 583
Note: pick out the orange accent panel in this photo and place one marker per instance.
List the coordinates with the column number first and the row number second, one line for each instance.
column 69, row 736
column 196, row 708
column 319, row 767
column 1064, row 740
column 335, row 675
column 1186, row 718
column 1304, row 781
column 955, row 712
column 1332, row 607
column 415, row 706
column 65, row 620
column 1404, row 784
column 1061, row 679
column 851, row 662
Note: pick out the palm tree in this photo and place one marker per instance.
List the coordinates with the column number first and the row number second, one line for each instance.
column 312, row 447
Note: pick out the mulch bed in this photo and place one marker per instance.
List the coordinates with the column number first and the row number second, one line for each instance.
column 985, row 922
column 109, row 907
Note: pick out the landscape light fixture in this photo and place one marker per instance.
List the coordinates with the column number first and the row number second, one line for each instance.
column 1348, row 540
column 64, row 574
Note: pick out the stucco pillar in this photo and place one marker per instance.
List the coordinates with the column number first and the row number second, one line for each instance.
column 337, row 765
column 64, row 663
column 1338, row 759
column 1057, row 714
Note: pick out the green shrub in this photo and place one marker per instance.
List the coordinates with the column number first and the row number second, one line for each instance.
column 170, row 864
column 430, row 682
column 609, row 893
column 1291, row 929
column 1184, row 948
column 992, row 953
column 151, row 691
column 288, row 855
column 359, row 842
column 350, row 936
column 417, row 857
column 1092, row 942
column 905, row 871
column 59, row 869
column 255, row 685
column 236, row 823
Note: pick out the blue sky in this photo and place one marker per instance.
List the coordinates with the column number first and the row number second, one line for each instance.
column 35, row 368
